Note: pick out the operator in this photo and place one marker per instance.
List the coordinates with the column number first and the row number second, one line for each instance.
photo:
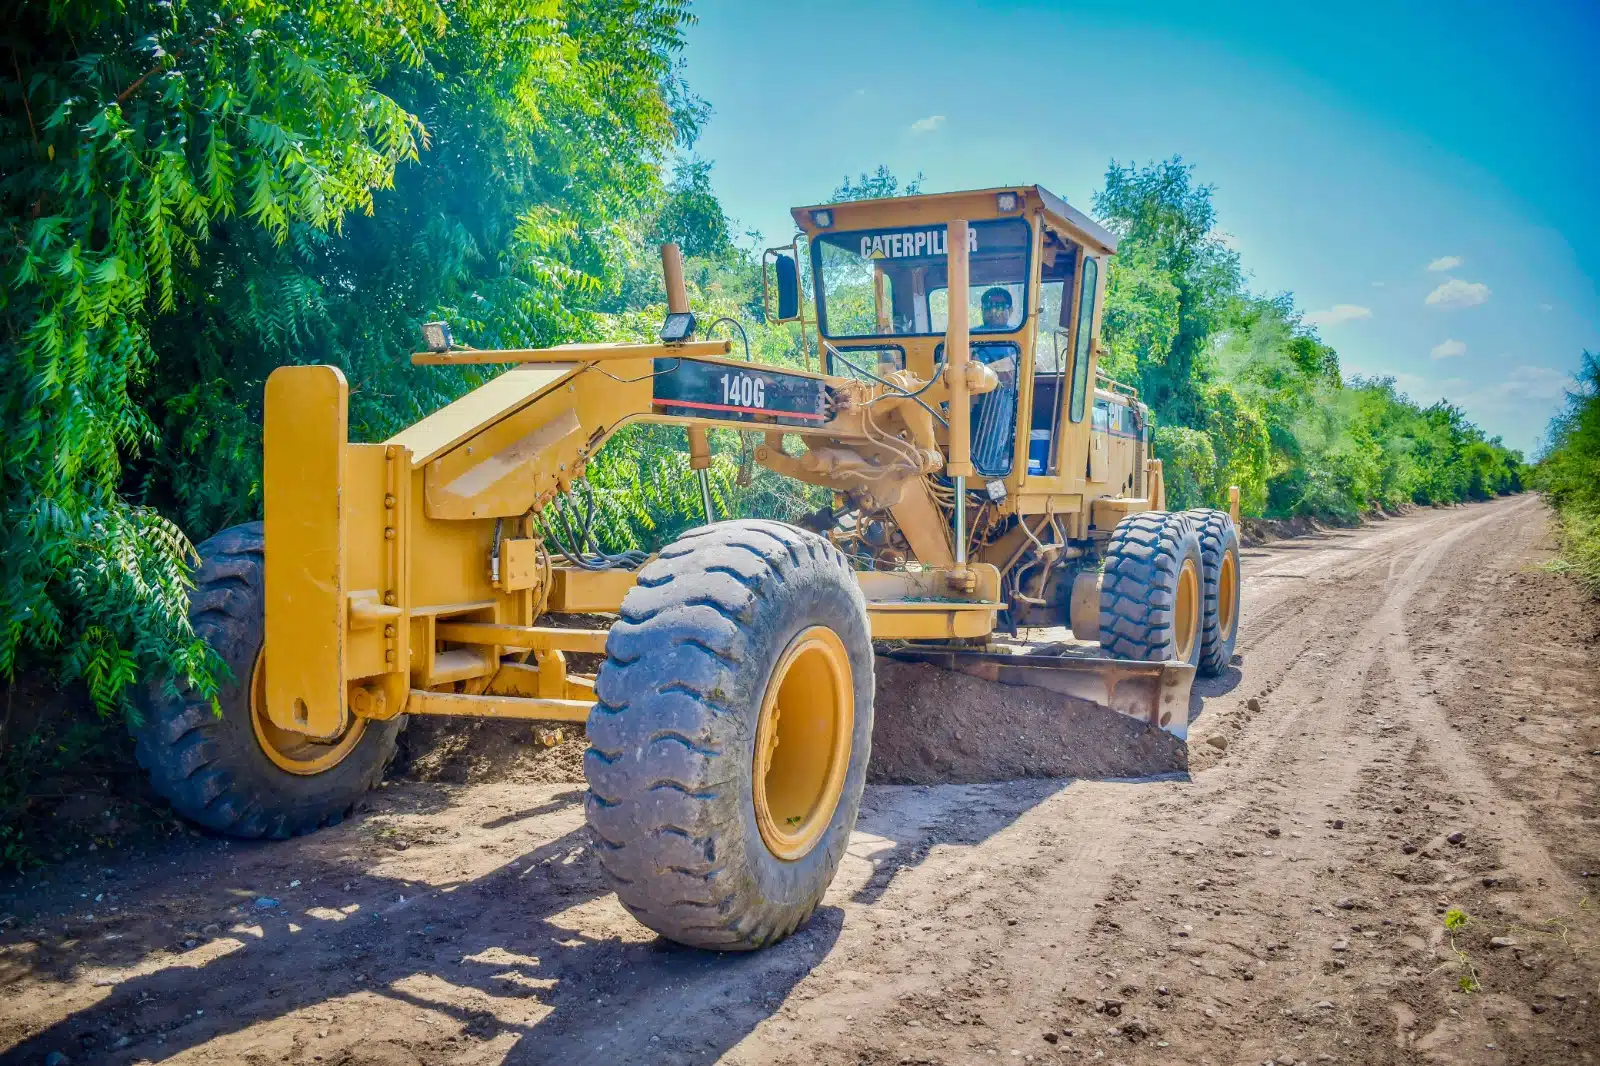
column 996, row 308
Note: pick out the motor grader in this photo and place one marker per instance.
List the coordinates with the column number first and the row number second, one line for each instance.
column 984, row 480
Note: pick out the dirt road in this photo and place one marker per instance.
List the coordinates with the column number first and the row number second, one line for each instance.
column 1415, row 728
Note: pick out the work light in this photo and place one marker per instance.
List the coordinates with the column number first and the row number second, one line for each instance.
column 436, row 336
column 1006, row 201
column 822, row 218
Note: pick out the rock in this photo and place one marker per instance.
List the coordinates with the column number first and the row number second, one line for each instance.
column 1051, row 1038
column 1457, row 837
column 1113, row 1007
column 57, row 1058
column 1341, row 945
column 1162, row 990
column 1274, row 831
column 265, row 903
column 1490, row 882
column 213, row 929
column 1218, row 741
column 1323, row 1004
column 1538, row 1008
column 1409, row 849
column 1345, row 904
column 1502, row 942
column 1253, row 704
column 1137, row 1029
column 1338, row 823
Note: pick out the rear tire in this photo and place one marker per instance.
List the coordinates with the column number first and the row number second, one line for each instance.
column 216, row 770
column 731, row 734
column 1219, row 621
column 1150, row 596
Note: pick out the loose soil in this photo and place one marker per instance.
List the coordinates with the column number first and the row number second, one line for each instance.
column 933, row 726
column 1410, row 736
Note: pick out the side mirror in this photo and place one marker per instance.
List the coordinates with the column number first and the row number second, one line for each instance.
column 788, row 288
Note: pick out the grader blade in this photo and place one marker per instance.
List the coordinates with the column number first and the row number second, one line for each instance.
column 1154, row 693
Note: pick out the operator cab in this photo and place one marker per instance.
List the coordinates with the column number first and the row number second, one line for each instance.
column 1035, row 266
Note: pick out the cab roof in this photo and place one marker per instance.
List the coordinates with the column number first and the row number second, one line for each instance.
column 972, row 205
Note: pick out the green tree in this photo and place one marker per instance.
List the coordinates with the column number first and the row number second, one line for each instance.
column 199, row 191
column 1178, row 267
column 1569, row 473
column 878, row 185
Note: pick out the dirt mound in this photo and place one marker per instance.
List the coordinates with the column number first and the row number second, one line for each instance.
column 933, row 727
column 939, row 727
column 469, row 751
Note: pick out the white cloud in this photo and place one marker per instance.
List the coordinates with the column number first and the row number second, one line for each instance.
column 927, row 125
column 1445, row 262
column 1538, row 383
column 1458, row 293
column 1379, row 284
column 1448, row 349
column 1526, row 390
column 1336, row 314
column 1547, row 307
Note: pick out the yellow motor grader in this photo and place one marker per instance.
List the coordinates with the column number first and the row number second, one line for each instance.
column 983, row 478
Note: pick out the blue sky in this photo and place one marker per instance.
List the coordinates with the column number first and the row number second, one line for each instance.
column 1423, row 180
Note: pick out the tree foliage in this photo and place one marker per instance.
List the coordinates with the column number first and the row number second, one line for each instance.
column 197, row 191
column 1245, row 394
column 1569, row 473
column 878, row 185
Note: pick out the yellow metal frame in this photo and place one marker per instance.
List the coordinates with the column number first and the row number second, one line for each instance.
column 404, row 577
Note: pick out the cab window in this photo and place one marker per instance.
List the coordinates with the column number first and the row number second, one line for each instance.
column 885, row 282
column 994, row 414
column 1081, row 339
column 1102, row 416
column 1051, row 352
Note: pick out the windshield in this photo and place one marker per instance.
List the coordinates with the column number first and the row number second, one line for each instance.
column 891, row 282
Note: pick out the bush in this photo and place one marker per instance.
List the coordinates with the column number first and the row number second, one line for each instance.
column 1569, row 475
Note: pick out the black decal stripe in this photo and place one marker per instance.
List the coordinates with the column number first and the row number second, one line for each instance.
column 741, row 410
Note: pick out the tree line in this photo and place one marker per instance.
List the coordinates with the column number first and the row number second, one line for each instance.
column 1569, row 475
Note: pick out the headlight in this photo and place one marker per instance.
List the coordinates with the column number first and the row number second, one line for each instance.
column 822, row 218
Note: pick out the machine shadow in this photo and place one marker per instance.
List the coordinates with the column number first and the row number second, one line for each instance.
column 497, row 939
column 1206, row 688
column 900, row 825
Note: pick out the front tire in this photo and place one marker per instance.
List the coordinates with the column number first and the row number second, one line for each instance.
column 1219, row 620
column 1152, row 591
column 237, row 773
column 731, row 734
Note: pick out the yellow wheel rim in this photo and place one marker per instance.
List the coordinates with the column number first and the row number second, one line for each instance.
column 803, row 742
column 1186, row 610
column 292, row 751
column 1227, row 600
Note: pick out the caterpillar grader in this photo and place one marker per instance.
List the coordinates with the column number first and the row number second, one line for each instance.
column 985, row 480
